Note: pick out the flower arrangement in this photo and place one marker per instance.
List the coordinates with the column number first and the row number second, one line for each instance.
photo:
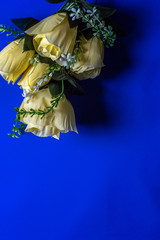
column 53, row 55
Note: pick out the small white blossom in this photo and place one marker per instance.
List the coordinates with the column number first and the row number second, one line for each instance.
column 68, row 60
column 24, row 94
column 36, row 88
column 63, row 55
column 46, row 79
column 39, row 82
column 34, row 60
column 61, row 59
column 75, row 14
column 27, row 95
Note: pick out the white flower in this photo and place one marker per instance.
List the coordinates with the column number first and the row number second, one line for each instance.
column 75, row 14
column 91, row 13
column 36, row 88
column 24, row 94
column 39, row 82
column 27, row 95
column 46, row 79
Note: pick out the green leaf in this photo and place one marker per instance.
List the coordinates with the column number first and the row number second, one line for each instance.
column 55, row 1
column 105, row 12
column 74, row 90
column 16, row 109
column 63, row 75
column 55, row 88
column 24, row 23
column 72, row 81
column 46, row 60
column 88, row 33
column 28, row 43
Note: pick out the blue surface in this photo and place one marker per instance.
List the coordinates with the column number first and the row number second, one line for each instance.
column 103, row 184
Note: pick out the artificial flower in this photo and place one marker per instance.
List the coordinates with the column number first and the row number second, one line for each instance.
column 13, row 61
column 34, row 75
column 53, row 36
column 62, row 120
column 90, row 59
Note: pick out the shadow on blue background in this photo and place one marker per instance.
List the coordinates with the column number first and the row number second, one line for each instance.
column 90, row 109
column 104, row 183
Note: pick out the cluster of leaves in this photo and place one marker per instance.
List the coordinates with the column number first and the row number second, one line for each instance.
column 93, row 19
column 104, row 14
column 70, row 84
column 18, row 127
column 15, row 32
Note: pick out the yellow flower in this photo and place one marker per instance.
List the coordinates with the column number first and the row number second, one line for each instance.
column 53, row 36
column 31, row 76
column 91, row 59
column 13, row 61
column 61, row 120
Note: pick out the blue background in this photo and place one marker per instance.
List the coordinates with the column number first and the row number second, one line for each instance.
column 104, row 183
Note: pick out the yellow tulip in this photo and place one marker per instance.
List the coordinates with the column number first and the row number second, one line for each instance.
column 53, row 36
column 13, row 61
column 31, row 76
column 62, row 120
column 91, row 59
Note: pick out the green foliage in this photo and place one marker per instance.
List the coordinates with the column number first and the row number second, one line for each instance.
column 65, row 76
column 24, row 23
column 105, row 12
column 18, row 128
column 43, row 113
column 46, row 60
column 34, row 60
column 74, row 90
column 55, row 88
column 15, row 32
column 28, row 43
column 90, row 19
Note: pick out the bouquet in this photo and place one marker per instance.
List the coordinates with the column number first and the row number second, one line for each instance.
column 51, row 57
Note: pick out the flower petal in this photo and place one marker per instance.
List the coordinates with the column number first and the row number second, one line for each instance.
column 13, row 61
column 32, row 74
column 47, row 24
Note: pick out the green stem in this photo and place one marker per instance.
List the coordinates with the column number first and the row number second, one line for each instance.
column 16, row 33
column 70, row 6
column 42, row 113
column 65, row 5
column 17, row 130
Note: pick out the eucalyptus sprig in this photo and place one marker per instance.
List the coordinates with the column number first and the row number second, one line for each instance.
column 15, row 32
column 94, row 21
